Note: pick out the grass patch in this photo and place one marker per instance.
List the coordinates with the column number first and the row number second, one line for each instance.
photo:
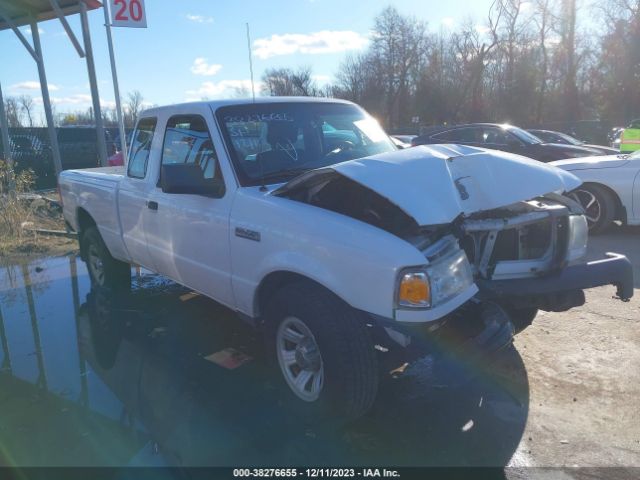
column 21, row 211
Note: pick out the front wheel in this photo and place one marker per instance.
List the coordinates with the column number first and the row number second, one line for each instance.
column 104, row 270
column 323, row 353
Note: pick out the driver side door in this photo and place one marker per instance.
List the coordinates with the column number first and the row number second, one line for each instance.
column 188, row 234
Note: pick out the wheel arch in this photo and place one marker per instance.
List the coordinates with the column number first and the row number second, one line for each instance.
column 276, row 280
column 84, row 218
column 84, row 221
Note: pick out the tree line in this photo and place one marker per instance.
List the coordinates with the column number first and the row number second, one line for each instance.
column 21, row 112
column 528, row 62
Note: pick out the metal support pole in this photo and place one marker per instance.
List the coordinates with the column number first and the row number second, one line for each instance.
column 6, row 361
column 67, row 28
column 31, row 304
column 46, row 100
column 116, row 88
column 93, row 83
column 19, row 34
column 4, row 126
column 75, row 292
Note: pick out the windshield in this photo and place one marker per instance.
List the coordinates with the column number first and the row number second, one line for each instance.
column 274, row 142
column 569, row 139
column 523, row 135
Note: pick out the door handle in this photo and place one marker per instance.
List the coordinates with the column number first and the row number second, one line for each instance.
column 151, row 205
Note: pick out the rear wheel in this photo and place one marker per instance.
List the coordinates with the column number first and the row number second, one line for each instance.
column 599, row 206
column 104, row 270
column 323, row 354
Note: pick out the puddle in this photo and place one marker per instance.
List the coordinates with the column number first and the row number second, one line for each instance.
column 95, row 378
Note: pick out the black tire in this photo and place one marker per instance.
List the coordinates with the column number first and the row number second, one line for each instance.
column 348, row 358
column 110, row 273
column 521, row 318
column 600, row 215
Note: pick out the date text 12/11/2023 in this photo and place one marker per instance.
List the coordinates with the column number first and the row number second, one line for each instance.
column 315, row 472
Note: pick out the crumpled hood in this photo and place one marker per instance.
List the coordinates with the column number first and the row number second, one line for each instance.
column 586, row 163
column 435, row 184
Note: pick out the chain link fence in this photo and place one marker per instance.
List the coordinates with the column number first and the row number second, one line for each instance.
column 31, row 149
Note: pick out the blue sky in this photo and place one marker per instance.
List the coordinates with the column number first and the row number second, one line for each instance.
column 197, row 48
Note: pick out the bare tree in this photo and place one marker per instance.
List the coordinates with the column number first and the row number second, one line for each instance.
column 543, row 19
column 12, row 109
column 26, row 106
column 399, row 44
column 132, row 108
column 287, row 82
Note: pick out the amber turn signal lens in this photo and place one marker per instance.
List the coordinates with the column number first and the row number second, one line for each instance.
column 415, row 290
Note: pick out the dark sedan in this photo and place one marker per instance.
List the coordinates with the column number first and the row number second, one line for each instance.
column 502, row 137
column 558, row 137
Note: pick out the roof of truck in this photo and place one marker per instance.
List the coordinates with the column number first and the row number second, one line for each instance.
column 247, row 101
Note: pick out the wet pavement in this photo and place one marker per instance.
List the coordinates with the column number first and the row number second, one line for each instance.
column 93, row 378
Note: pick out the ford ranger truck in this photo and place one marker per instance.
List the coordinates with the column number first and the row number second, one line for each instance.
column 303, row 217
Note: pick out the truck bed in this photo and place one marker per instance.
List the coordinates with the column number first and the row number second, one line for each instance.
column 97, row 189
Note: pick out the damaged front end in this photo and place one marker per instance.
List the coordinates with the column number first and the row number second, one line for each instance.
column 495, row 250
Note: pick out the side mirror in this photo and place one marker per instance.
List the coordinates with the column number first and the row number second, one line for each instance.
column 189, row 178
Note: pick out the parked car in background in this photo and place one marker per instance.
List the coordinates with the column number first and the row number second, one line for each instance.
column 399, row 143
column 551, row 136
column 79, row 146
column 333, row 242
column 610, row 189
column 404, row 138
column 502, row 137
column 115, row 160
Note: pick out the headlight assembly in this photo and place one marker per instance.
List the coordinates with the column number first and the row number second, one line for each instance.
column 434, row 284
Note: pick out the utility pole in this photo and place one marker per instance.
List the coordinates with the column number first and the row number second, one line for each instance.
column 114, row 76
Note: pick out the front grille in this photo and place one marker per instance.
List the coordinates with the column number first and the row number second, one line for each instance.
column 535, row 240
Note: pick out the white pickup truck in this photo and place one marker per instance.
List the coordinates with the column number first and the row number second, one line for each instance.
column 303, row 217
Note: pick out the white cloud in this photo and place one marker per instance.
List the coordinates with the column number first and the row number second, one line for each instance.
column 32, row 85
column 78, row 99
column 482, row 29
column 199, row 18
column 448, row 22
column 220, row 89
column 108, row 103
column 325, row 41
column 201, row 67
column 525, row 6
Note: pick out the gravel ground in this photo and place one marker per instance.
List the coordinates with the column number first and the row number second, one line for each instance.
column 583, row 368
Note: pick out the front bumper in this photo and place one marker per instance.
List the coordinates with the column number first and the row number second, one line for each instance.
column 568, row 283
column 473, row 333
column 482, row 327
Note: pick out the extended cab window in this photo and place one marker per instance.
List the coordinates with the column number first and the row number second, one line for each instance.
column 187, row 140
column 140, row 147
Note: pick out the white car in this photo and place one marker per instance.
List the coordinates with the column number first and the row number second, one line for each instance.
column 610, row 189
column 302, row 216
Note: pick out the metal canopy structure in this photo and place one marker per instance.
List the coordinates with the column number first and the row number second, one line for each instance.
column 17, row 13
column 22, row 12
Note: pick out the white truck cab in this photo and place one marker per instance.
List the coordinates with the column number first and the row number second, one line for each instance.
column 301, row 215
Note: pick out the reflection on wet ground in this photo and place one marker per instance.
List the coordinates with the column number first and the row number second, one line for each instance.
column 94, row 378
